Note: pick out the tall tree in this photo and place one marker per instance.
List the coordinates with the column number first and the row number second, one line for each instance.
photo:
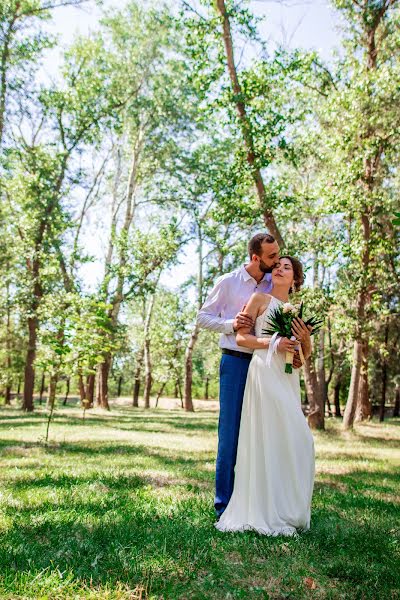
column 254, row 159
column 367, row 148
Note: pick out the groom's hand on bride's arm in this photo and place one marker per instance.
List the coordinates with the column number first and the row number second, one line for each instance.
column 242, row 319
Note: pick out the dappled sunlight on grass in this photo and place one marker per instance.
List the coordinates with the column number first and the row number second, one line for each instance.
column 120, row 505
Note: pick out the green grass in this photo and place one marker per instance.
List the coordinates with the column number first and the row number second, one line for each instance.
column 120, row 506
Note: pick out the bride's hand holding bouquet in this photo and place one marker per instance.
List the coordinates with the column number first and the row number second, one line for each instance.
column 285, row 324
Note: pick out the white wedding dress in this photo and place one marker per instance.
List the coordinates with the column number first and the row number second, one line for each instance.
column 274, row 473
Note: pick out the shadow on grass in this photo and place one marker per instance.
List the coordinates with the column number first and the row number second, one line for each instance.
column 107, row 526
column 161, row 422
column 131, row 546
column 169, row 547
column 190, row 469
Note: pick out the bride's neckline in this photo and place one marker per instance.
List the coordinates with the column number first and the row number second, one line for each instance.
column 278, row 299
column 269, row 304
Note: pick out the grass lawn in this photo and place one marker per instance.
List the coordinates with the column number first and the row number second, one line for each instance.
column 121, row 506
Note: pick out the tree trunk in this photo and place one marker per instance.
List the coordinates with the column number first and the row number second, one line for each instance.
column 316, row 416
column 328, row 404
column 206, row 388
column 66, row 391
column 187, row 393
column 120, row 379
column 337, row 399
column 188, row 373
column 82, row 391
column 160, row 391
column 103, row 373
column 19, row 387
column 252, row 156
column 321, row 380
column 42, row 386
column 179, row 386
column 383, row 393
column 136, row 385
column 364, row 408
column 52, row 391
column 148, row 378
column 136, row 392
column 29, row 377
column 384, row 374
column 7, row 393
column 396, row 407
column 351, row 403
column 328, row 379
column 384, row 377
column 98, row 386
column 90, row 383
column 355, row 380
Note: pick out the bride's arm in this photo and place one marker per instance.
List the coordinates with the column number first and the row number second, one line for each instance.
column 244, row 337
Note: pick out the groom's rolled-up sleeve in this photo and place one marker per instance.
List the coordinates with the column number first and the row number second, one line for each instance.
column 209, row 316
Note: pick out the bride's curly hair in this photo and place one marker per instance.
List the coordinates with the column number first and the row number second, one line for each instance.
column 298, row 273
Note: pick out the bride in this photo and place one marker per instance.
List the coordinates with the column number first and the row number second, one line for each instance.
column 274, row 474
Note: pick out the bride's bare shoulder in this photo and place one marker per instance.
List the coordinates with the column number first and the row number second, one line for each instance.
column 259, row 302
column 262, row 297
column 268, row 298
column 258, row 298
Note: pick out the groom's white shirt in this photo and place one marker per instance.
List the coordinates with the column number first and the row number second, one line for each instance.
column 226, row 299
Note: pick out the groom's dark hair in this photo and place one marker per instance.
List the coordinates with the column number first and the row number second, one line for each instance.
column 256, row 242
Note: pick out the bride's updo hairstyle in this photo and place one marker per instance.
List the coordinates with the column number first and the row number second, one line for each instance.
column 298, row 273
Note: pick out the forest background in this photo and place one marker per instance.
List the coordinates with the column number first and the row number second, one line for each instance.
column 133, row 176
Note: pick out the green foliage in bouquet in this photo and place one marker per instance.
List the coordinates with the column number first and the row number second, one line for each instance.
column 314, row 322
column 281, row 322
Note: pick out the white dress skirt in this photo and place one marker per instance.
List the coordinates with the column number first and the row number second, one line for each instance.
column 275, row 465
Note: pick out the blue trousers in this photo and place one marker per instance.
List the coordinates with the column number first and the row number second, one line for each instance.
column 232, row 374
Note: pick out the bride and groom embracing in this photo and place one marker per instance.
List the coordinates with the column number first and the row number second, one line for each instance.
column 265, row 460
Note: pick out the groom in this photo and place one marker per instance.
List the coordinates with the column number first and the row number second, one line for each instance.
column 222, row 312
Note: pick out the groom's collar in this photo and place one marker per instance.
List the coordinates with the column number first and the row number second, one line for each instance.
column 246, row 275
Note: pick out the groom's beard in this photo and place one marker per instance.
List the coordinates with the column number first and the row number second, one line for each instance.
column 265, row 268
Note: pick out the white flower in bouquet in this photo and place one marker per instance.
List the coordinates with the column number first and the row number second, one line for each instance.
column 287, row 307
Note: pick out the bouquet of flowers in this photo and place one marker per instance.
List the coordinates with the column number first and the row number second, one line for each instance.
column 280, row 324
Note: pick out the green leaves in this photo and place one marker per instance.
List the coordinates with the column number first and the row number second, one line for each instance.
column 279, row 322
column 396, row 221
column 281, row 318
